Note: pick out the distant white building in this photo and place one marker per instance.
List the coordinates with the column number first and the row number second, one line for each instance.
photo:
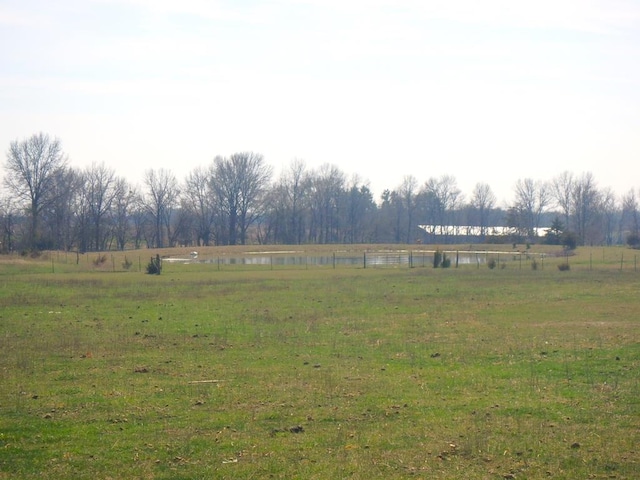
column 474, row 231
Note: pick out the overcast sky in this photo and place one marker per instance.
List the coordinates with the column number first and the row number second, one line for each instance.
column 487, row 91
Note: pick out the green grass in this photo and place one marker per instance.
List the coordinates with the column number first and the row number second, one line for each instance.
column 390, row 373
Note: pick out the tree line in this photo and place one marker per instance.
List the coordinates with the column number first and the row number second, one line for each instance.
column 48, row 204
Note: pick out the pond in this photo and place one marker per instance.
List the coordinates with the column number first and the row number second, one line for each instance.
column 365, row 259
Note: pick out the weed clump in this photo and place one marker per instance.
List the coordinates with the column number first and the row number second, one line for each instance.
column 492, row 263
column 127, row 263
column 564, row 266
column 99, row 260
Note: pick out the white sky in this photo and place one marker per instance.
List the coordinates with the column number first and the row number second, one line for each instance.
column 490, row 91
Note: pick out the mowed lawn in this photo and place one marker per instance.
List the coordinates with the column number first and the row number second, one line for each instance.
column 319, row 373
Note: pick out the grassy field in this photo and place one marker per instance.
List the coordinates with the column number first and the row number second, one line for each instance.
column 318, row 373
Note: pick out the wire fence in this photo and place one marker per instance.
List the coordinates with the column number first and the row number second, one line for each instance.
column 138, row 260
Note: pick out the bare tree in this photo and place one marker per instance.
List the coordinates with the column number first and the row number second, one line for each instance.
column 327, row 184
column 407, row 195
column 295, row 187
column 609, row 213
column 162, row 195
column 140, row 220
column 532, row 198
column 483, row 200
column 199, row 200
column 180, row 228
column 630, row 221
column 440, row 199
column 62, row 215
column 8, row 216
column 100, row 192
column 562, row 193
column 585, row 201
column 31, row 165
column 123, row 204
column 287, row 206
column 239, row 182
column 359, row 211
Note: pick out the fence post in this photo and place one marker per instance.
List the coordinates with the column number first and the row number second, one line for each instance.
column 334, row 260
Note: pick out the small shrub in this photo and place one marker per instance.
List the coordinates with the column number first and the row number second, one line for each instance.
column 492, row 263
column 127, row 263
column 569, row 240
column 633, row 240
column 155, row 266
column 534, row 264
column 441, row 260
column 564, row 266
column 437, row 258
